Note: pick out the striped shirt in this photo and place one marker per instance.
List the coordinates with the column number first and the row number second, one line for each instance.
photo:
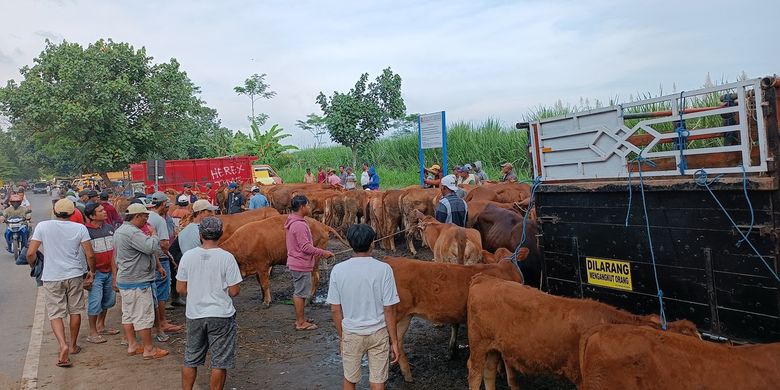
column 452, row 209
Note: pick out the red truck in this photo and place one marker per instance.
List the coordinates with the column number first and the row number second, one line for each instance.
column 177, row 173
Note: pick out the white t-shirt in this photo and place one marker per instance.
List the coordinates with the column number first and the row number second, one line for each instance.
column 363, row 286
column 61, row 247
column 364, row 178
column 209, row 273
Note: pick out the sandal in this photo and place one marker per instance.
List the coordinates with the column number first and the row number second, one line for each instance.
column 76, row 350
column 109, row 332
column 162, row 337
column 137, row 351
column 65, row 364
column 307, row 327
column 173, row 328
column 158, row 354
column 96, row 339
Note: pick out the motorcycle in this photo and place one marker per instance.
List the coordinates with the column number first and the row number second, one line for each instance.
column 16, row 234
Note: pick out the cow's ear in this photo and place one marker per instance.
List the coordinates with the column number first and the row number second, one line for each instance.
column 655, row 319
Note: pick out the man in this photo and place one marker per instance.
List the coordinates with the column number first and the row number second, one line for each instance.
column 188, row 193
column 257, row 200
column 113, row 217
column 480, row 174
column 364, row 177
column 82, row 200
column 235, row 200
column 333, row 179
column 362, row 297
column 433, row 176
column 465, row 176
column 211, row 194
column 342, row 176
column 15, row 209
column 507, row 173
column 209, row 277
column 189, row 237
column 102, row 295
column 309, row 178
column 63, row 276
column 135, row 261
column 159, row 204
column 350, row 181
column 300, row 257
column 320, row 175
column 373, row 182
column 181, row 211
column 451, row 209
column 25, row 201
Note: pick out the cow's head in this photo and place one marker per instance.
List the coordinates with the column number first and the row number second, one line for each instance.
column 423, row 221
column 499, row 255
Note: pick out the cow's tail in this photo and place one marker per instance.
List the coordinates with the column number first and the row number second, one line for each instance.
column 336, row 234
column 460, row 236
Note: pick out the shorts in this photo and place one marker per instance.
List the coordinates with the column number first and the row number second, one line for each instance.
column 301, row 284
column 376, row 345
column 101, row 296
column 64, row 297
column 137, row 307
column 163, row 286
column 211, row 334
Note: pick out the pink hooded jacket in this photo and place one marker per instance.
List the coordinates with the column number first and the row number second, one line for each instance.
column 300, row 248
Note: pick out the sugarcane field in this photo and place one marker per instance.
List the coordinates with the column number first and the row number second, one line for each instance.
column 401, row 195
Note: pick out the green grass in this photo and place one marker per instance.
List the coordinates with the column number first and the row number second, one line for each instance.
column 396, row 158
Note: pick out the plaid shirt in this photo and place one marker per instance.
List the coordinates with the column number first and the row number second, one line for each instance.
column 452, row 209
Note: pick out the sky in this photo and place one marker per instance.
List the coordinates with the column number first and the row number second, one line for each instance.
column 473, row 59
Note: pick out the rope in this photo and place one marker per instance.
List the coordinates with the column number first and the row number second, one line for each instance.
column 377, row 240
column 700, row 178
column 535, row 185
column 682, row 137
column 639, row 161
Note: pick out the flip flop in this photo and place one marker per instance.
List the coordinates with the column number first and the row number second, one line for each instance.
column 65, row 364
column 173, row 329
column 76, row 350
column 307, row 327
column 109, row 332
column 96, row 339
column 159, row 353
column 137, row 351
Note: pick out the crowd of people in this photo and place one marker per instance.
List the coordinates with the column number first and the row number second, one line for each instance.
column 345, row 177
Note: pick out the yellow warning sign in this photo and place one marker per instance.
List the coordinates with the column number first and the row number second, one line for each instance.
column 609, row 273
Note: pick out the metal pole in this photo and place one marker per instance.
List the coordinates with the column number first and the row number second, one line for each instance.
column 156, row 177
column 444, row 143
column 420, row 150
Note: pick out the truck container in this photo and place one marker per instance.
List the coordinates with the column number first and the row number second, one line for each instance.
column 174, row 174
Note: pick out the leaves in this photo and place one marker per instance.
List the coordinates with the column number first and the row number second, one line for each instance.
column 256, row 88
column 358, row 117
column 266, row 146
column 315, row 125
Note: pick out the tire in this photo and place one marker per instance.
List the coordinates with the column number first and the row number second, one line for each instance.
column 15, row 248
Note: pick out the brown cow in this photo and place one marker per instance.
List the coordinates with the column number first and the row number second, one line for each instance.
column 535, row 332
column 631, row 357
column 280, row 195
column 438, row 293
column 260, row 245
column 512, row 192
column 501, row 228
column 232, row 222
column 481, row 193
column 392, row 218
column 450, row 243
column 416, row 199
column 493, row 258
column 476, row 207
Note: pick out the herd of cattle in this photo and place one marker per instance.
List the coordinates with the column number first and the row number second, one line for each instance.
column 473, row 281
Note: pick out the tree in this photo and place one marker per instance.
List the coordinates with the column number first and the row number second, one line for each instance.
column 255, row 89
column 267, row 146
column 102, row 107
column 315, row 125
column 358, row 117
column 8, row 170
column 405, row 125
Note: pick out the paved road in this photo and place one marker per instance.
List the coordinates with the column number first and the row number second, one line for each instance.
column 17, row 305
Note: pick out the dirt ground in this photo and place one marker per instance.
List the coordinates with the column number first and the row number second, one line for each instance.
column 272, row 354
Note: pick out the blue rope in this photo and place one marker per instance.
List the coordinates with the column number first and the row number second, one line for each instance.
column 700, row 178
column 682, row 137
column 639, row 161
column 535, row 185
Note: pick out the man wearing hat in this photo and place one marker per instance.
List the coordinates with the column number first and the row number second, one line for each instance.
column 82, row 200
column 189, row 237
column 479, row 173
column 209, row 277
column 158, row 205
column 191, row 198
column 451, row 208
column 257, row 200
column 507, row 173
column 433, row 178
column 136, row 264
column 235, row 200
column 464, row 175
column 63, row 276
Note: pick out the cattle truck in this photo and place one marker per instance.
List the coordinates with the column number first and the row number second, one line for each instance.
column 174, row 174
column 607, row 176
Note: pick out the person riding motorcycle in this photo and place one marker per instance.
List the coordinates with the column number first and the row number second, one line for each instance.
column 15, row 209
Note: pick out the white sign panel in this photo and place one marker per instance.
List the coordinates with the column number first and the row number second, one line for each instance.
column 431, row 130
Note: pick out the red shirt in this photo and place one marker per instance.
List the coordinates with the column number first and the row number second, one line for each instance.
column 321, row 177
column 212, row 196
column 77, row 217
column 113, row 216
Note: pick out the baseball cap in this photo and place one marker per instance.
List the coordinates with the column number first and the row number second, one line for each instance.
column 83, row 193
column 435, row 167
column 104, row 195
column 233, row 185
column 136, row 208
column 466, row 167
column 210, row 225
column 92, row 193
column 71, row 198
column 203, row 204
column 506, row 164
column 449, row 182
column 188, row 185
column 183, row 199
column 158, row 197
column 64, row 206
column 255, row 188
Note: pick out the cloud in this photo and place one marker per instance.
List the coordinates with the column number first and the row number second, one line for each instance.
column 5, row 58
column 50, row 35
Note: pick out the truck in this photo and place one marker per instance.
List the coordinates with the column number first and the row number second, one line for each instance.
column 668, row 206
column 174, row 174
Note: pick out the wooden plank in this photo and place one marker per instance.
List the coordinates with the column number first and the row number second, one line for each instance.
column 670, row 200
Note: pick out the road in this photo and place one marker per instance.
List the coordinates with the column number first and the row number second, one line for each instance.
column 28, row 351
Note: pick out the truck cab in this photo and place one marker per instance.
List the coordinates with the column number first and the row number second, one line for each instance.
column 265, row 175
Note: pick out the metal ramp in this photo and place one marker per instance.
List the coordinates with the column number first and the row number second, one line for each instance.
column 712, row 128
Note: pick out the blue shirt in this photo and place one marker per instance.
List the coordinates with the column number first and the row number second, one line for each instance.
column 258, row 201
